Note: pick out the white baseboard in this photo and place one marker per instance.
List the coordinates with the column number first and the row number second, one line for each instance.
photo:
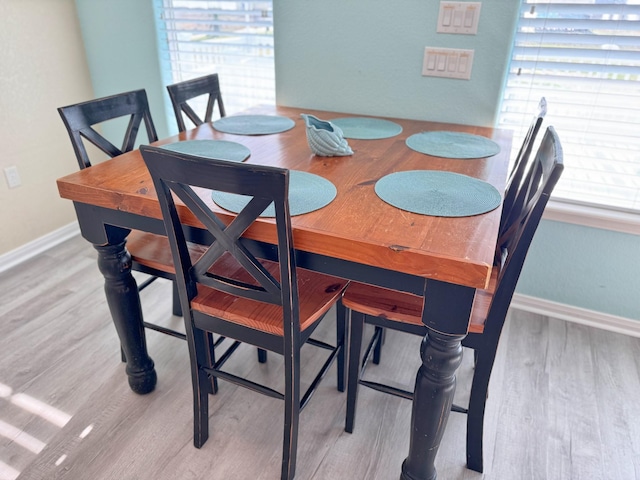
column 37, row 246
column 591, row 318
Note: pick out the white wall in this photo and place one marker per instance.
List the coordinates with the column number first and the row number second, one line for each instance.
column 42, row 67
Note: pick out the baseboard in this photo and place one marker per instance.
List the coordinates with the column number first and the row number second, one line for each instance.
column 583, row 316
column 37, row 246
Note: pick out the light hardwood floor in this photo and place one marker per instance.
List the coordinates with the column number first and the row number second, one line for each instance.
column 564, row 398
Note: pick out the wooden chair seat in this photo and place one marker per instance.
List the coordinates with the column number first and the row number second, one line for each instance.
column 407, row 308
column 316, row 293
column 153, row 251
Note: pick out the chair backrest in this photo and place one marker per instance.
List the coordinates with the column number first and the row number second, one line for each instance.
column 181, row 92
column 81, row 118
column 519, row 167
column 533, row 194
column 179, row 173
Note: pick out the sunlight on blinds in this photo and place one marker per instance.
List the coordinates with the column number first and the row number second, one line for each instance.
column 584, row 57
column 233, row 39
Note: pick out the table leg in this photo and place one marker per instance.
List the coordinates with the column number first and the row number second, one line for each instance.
column 446, row 315
column 123, row 299
column 435, row 385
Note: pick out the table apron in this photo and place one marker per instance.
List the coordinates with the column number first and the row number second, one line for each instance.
column 449, row 304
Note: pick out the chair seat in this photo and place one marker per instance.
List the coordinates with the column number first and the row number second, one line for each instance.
column 407, row 308
column 317, row 293
column 153, row 251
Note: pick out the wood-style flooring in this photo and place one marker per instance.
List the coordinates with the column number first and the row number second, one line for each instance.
column 564, row 399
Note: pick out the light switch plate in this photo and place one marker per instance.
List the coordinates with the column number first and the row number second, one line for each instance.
column 447, row 63
column 459, row 17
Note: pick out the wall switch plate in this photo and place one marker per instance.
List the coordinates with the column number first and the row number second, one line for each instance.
column 12, row 176
column 447, row 63
column 459, row 17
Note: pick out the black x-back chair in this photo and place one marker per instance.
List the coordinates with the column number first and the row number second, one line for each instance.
column 229, row 291
column 181, row 93
column 403, row 312
column 149, row 253
column 510, row 208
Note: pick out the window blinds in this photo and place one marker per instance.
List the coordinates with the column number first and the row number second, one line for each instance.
column 233, row 39
column 584, row 57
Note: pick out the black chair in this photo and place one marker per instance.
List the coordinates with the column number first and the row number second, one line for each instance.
column 229, row 291
column 180, row 93
column 150, row 253
column 519, row 167
column 509, row 203
column 403, row 312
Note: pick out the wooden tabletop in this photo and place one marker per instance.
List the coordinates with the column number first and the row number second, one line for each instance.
column 357, row 226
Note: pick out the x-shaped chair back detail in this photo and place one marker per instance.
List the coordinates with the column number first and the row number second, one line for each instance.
column 509, row 208
column 181, row 93
column 265, row 185
column 531, row 199
column 82, row 117
column 228, row 291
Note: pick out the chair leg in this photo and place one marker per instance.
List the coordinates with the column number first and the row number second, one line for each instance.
column 177, row 309
column 355, row 346
column 211, row 360
column 341, row 322
column 201, row 386
column 262, row 356
column 377, row 351
column 291, row 411
column 477, row 403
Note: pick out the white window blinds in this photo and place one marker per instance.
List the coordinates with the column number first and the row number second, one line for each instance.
column 233, row 39
column 584, row 57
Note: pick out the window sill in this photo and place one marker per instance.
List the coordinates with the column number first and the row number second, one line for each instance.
column 591, row 216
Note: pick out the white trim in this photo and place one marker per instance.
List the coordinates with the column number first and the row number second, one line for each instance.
column 37, row 246
column 591, row 216
column 591, row 318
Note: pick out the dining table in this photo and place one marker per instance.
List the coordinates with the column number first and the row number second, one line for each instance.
column 358, row 235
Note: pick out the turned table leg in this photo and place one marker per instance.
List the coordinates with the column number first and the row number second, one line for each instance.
column 121, row 291
column 446, row 314
column 434, row 390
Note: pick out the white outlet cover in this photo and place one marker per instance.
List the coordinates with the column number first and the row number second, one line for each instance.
column 12, row 176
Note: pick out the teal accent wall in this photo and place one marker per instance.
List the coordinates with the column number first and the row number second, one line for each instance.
column 365, row 56
column 120, row 41
column 586, row 267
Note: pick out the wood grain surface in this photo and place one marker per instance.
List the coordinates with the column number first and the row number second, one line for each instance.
column 357, row 226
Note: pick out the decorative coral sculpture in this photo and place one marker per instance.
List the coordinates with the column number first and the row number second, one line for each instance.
column 325, row 138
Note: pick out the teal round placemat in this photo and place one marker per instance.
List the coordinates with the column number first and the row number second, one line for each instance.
column 253, row 124
column 438, row 193
column 362, row 128
column 218, row 149
column 307, row 192
column 452, row 145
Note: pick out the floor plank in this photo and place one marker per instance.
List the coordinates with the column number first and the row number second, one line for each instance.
column 562, row 402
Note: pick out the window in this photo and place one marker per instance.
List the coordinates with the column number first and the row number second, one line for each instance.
column 233, row 39
column 584, row 57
